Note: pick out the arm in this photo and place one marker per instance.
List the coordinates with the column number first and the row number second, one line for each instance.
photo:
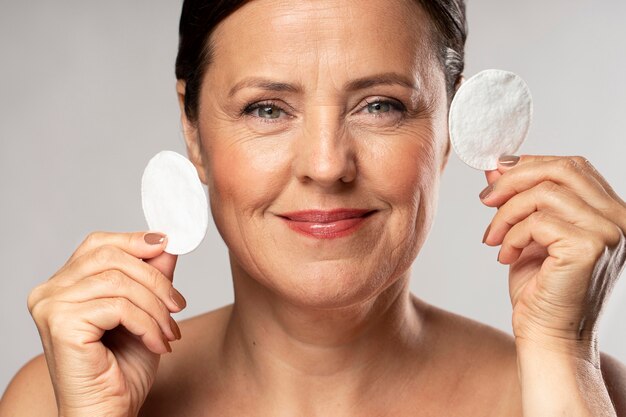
column 562, row 230
column 559, row 383
column 30, row 392
column 614, row 373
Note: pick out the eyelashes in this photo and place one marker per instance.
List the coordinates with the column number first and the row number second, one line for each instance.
column 273, row 107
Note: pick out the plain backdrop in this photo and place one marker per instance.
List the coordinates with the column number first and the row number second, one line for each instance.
column 87, row 98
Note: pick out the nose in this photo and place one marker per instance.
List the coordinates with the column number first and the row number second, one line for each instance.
column 325, row 153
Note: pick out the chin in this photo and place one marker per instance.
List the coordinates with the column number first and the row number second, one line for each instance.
column 331, row 285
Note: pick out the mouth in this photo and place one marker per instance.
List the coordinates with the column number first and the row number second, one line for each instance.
column 321, row 224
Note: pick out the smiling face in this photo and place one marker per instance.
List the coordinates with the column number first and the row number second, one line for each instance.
column 319, row 105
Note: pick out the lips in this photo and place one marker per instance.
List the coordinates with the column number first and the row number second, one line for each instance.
column 319, row 216
column 326, row 224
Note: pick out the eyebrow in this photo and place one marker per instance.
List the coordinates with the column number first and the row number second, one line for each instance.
column 387, row 78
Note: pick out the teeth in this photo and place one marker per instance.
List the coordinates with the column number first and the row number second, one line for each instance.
column 320, row 226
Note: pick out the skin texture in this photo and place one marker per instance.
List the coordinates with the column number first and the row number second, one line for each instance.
column 328, row 327
column 325, row 151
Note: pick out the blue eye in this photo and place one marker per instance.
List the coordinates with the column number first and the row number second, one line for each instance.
column 379, row 107
column 269, row 109
column 269, row 112
column 383, row 106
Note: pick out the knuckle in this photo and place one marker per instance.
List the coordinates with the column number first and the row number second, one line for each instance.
column 119, row 305
column 616, row 236
column 92, row 239
column 39, row 309
column 569, row 164
column 112, row 279
column 104, row 255
column 581, row 161
column 538, row 218
column 34, row 296
column 548, row 187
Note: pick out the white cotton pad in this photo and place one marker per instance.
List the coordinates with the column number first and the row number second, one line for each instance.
column 174, row 202
column 489, row 117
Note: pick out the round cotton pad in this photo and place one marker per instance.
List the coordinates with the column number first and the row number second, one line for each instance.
column 489, row 117
column 174, row 202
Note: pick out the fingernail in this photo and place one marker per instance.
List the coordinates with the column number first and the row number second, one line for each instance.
column 175, row 328
column 486, row 233
column 484, row 193
column 508, row 160
column 153, row 238
column 177, row 298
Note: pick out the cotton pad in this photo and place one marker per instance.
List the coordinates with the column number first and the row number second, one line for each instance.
column 489, row 117
column 174, row 202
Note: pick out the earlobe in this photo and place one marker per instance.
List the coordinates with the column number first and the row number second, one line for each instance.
column 446, row 155
column 191, row 134
column 459, row 81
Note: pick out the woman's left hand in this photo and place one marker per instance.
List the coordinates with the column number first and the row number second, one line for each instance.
column 561, row 227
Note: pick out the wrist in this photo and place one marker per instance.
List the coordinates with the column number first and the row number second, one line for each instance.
column 561, row 377
column 65, row 413
column 560, row 348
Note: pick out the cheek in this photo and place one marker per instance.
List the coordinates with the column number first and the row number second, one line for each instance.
column 245, row 173
column 406, row 169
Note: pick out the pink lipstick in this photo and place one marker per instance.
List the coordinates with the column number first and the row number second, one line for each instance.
column 326, row 224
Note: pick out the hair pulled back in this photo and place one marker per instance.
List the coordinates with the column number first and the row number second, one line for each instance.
column 200, row 17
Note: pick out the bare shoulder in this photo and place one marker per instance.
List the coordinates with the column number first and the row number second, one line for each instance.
column 492, row 354
column 461, row 332
column 614, row 375
column 30, row 392
column 478, row 362
column 182, row 373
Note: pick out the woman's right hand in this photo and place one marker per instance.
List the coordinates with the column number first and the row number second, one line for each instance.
column 96, row 367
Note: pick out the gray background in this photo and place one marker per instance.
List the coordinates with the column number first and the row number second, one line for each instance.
column 87, row 97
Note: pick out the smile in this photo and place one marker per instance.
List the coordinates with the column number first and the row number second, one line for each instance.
column 326, row 224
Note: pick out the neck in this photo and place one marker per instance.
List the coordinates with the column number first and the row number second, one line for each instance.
column 303, row 352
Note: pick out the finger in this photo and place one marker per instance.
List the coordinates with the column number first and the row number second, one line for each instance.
column 113, row 283
column 139, row 244
column 164, row 262
column 564, row 241
column 561, row 171
column 559, row 202
column 109, row 257
column 492, row 176
column 581, row 161
column 106, row 314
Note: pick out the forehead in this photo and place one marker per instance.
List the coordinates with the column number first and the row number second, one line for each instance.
column 322, row 40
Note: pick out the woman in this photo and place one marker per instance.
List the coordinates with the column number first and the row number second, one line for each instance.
column 323, row 179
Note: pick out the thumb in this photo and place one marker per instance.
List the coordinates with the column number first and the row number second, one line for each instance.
column 164, row 262
column 492, row 176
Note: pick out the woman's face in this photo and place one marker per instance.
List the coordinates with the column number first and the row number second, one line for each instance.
column 310, row 136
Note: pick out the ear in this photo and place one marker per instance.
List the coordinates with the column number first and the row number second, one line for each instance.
column 191, row 134
column 459, row 81
column 446, row 155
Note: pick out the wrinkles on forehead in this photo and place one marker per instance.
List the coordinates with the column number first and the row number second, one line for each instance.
column 321, row 44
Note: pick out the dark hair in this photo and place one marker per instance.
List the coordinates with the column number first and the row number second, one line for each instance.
column 200, row 17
